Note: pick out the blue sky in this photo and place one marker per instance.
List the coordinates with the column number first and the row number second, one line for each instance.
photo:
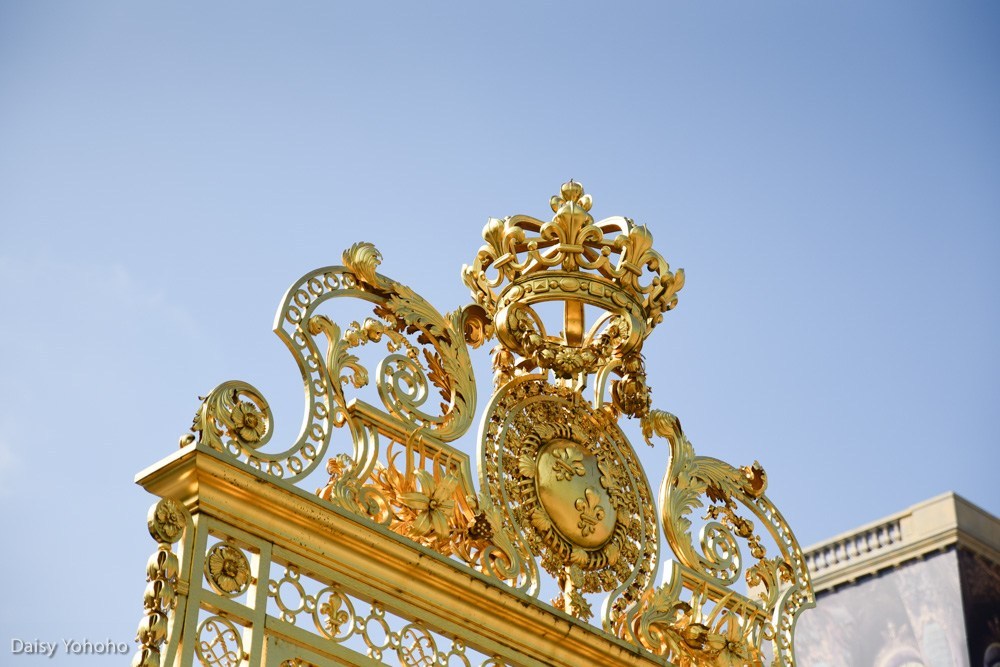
column 826, row 173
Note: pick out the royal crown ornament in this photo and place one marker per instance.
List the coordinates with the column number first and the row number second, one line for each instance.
column 608, row 265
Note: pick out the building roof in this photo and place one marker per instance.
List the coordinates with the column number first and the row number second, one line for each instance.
column 934, row 525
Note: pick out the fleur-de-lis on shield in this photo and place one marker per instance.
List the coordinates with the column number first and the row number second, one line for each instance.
column 568, row 463
column 590, row 512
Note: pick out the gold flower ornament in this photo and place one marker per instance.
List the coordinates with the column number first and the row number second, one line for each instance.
column 249, row 424
column 227, row 570
column 433, row 504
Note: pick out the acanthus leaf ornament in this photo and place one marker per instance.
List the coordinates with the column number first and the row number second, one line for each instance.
column 706, row 570
column 560, row 491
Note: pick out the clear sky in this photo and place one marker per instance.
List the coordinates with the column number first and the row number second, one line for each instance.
column 827, row 174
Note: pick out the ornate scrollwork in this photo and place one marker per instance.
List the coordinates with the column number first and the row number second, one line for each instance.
column 345, row 619
column 706, row 630
column 717, row 624
column 219, row 643
column 560, row 491
column 235, row 418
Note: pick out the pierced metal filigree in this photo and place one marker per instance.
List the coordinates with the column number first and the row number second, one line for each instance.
column 697, row 618
column 343, row 618
column 560, row 494
column 236, row 419
column 219, row 643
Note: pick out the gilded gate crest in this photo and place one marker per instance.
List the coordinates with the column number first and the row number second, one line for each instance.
column 560, row 494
